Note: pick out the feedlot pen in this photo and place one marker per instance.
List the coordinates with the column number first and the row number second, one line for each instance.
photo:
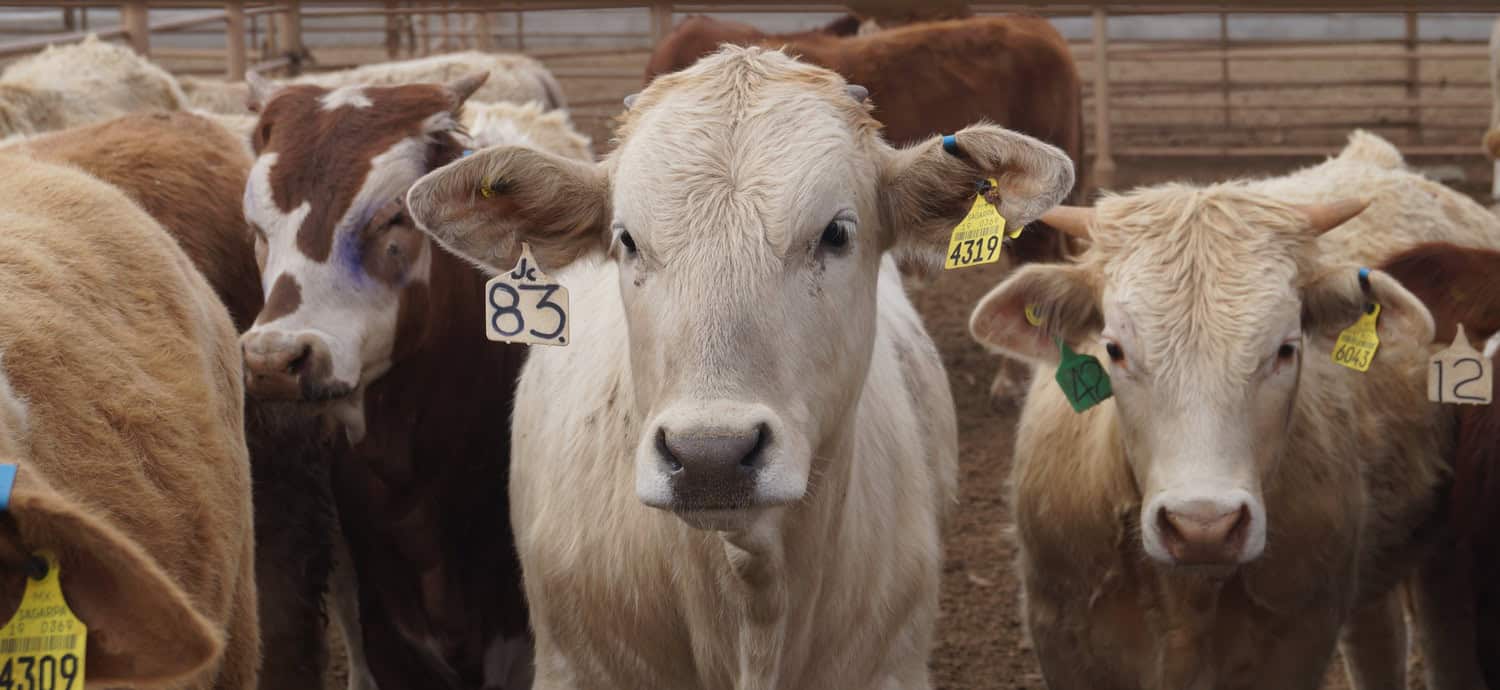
column 1186, row 90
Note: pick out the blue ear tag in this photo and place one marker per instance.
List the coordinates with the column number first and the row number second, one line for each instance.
column 950, row 144
column 7, row 481
column 467, row 153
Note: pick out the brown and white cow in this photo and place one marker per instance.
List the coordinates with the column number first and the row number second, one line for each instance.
column 367, row 321
column 733, row 474
column 1241, row 498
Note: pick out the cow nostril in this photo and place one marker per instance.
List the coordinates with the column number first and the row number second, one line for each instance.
column 665, row 452
column 762, row 438
column 1164, row 525
column 299, row 362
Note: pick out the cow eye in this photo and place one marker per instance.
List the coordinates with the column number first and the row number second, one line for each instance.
column 1286, row 351
column 1116, row 354
column 627, row 241
column 835, row 236
column 398, row 219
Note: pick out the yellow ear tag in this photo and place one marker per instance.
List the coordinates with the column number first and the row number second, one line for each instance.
column 43, row 644
column 976, row 240
column 1460, row 375
column 1032, row 317
column 485, row 191
column 1357, row 344
column 524, row 305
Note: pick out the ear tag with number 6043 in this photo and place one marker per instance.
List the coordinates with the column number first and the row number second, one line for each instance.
column 1460, row 374
column 525, row 305
column 1082, row 378
column 43, row 644
column 977, row 238
column 1357, row 344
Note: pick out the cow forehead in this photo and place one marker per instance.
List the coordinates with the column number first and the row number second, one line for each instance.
column 353, row 146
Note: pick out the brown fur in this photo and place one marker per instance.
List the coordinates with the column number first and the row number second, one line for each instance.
column 189, row 174
column 698, row 36
column 1457, row 285
column 133, row 460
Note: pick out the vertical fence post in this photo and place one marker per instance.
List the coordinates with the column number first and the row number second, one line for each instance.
column 291, row 35
column 520, row 28
column 392, row 31
column 133, row 12
column 234, row 40
column 70, row 19
column 1224, row 66
column 486, row 40
column 661, row 20
column 1413, row 77
column 1104, row 160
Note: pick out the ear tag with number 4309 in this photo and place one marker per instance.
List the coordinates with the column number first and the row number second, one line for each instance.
column 524, row 305
column 43, row 644
column 1460, row 374
column 1357, row 344
column 977, row 238
column 1082, row 378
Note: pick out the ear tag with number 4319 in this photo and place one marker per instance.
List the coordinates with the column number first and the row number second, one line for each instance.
column 1460, row 374
column 977, row 238
column 1357, row 344
column 525, row 305
column 43, row 644
column 1082, row 378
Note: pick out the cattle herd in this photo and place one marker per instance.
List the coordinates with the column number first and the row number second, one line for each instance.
column 244, row 376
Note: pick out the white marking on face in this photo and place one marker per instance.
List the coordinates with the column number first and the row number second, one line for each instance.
column 352, row 96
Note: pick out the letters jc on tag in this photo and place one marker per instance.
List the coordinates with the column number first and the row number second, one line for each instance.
column 525, row 305
column 43, row 644
column 1460, row 375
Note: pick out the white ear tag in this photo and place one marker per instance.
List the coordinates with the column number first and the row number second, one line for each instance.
column 524, row 305
column 1460, row 375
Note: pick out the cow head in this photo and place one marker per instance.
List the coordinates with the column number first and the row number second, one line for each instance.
column 344, row 271
column 1203, row 303
column 747, row 209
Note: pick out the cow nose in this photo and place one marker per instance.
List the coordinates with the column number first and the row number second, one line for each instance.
column 706, row 454
column 283, row 365
column 1203, row 532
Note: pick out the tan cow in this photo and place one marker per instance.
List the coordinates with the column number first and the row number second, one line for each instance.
column 121, row 401
column 77, row 84
column 1242, row 497
column 734, row 473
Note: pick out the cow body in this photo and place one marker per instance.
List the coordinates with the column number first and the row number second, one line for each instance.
column 749, row 493
column 189, row 175
column 122, row 404
column 1125, row 586
column 82, row 83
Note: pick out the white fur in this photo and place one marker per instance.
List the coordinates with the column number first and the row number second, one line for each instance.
column 81, row 83
column 351, row 96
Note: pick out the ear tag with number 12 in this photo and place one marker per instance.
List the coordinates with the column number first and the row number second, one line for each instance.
column 525, row 305
column 976, row 240
column 43, row 644
column 1357, row 344
column 1460, row 375
column 1082, row 378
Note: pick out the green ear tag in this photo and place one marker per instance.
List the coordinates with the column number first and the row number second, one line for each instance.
column 1082, row 378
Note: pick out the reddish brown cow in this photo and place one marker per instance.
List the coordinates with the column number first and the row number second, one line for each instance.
column 1457, row 286
column 367, row 322
column 189, row 174
column 698, row 35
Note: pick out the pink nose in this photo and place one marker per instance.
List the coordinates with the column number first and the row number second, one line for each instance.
column 286, row 366
column 1201, row 533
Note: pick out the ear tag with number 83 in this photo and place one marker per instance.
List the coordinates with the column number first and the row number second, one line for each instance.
column 525, row 305
column 1357, row 344
column 977, row 238
column 43, row 644
column 1460, row 375
column 1082, row 378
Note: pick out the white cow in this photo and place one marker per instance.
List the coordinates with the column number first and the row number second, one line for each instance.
column 734, row 473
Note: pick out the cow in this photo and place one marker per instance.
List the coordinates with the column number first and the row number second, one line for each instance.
column 77, row 84
column 734, row 472
column 121, row 405
column 699, row 35
column 189, row 175
column 1456, row 284
column 1241, row 498
column 525, row 124
column 368, row 325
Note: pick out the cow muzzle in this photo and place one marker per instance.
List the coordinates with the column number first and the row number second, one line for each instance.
column 281, row 365
column 1220, row 530
column 709, row 462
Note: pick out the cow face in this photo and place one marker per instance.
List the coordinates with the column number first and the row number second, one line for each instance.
column 1202, row 303
column 344, row 271
column 747, row 209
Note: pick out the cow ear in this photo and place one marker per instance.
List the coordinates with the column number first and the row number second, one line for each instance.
column 142, row 628
column 1336, row 301
column 260, row 91
column 1025, row 315
column 930, row 187
column 482, row 206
